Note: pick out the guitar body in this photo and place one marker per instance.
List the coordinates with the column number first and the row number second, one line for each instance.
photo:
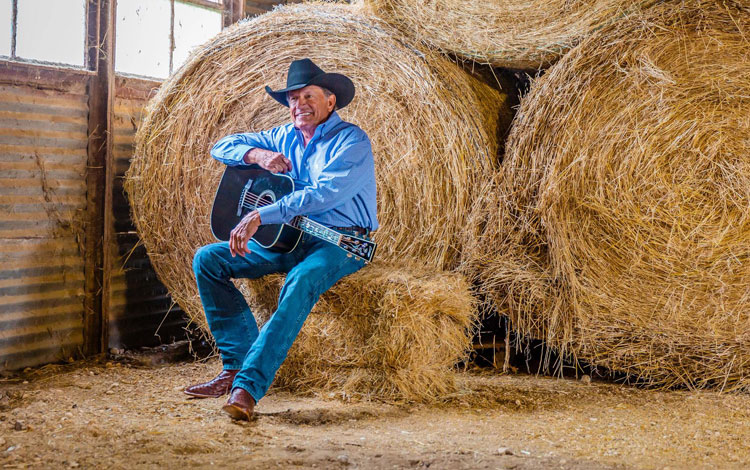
column 259, row 187
column 244, row 188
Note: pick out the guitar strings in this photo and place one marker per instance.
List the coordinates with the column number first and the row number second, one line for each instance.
column 251, row 200
column 255, row 201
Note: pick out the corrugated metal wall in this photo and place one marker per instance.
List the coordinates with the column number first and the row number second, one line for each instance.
column 43, row 137
column 141, row 312
column 43, row 157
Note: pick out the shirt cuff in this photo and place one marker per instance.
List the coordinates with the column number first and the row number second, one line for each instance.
column 270, row 214
column 236, row 156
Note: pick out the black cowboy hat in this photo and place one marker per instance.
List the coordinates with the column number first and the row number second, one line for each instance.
column 304, row 72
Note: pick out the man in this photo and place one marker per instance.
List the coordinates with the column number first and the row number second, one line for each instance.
column 332, row 164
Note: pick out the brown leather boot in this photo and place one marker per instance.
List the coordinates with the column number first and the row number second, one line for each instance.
column 240, row 405
column 214, row 388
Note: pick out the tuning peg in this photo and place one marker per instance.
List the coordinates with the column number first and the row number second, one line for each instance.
column 348, row 255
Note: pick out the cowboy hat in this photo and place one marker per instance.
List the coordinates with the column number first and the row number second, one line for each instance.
column 304, row 72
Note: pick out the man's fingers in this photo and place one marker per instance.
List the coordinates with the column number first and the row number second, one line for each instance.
column 244, row 246
column 232, row 244
column 241, row 234
column 238, row 240
column 277, row 163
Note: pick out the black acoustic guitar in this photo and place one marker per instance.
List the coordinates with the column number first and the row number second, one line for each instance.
column 244, row 188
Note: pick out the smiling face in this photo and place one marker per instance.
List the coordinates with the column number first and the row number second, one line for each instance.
column 310, row 106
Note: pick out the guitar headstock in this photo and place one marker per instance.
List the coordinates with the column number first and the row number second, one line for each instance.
column 359, row 247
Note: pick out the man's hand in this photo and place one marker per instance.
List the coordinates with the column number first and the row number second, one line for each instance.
column 240, row 235
column 272, row 161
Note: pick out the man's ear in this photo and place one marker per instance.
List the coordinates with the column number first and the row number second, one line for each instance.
column 331, row 102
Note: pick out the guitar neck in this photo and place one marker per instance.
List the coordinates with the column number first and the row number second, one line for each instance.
column 354, row 246
column 316, row 229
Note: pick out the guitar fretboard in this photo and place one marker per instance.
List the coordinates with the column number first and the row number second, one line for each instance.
column 316, row 229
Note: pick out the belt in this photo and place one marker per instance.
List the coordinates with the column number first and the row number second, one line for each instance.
column 358, row 231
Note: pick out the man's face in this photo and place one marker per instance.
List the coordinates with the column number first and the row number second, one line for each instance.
column 309, row 106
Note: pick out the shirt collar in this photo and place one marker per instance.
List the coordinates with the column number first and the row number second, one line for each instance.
column 330, row 123
column 325, row 126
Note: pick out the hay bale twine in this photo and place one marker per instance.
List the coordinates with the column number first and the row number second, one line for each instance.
column 627, row 188
column 393, row 332
column 433, row 129
column 506, row 33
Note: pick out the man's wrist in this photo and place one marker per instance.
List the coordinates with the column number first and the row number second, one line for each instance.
column 249, row 158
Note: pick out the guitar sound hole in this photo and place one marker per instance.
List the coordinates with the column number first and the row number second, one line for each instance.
column 264, row 201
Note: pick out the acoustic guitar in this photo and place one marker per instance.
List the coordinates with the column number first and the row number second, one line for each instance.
column 244, row 188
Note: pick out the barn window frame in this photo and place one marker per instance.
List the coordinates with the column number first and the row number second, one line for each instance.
column 223, row 8
column 231, row 11
column 14, row 58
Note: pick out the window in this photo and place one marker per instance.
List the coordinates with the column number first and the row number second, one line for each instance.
column 193, row 26
column 155, row 37
column 44, row 30
column 142, row 44
column 6, row 21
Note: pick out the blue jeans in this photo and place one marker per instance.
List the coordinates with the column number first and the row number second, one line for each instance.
column 312, row 268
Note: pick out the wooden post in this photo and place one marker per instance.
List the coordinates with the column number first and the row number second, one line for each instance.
column 100, row 57
column 234, row 10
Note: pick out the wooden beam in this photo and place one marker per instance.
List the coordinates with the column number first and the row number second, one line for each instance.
column 92, row 34
column 14, row 27
column 47, row 77
column 234, row 10
column 107, row 71
column 238, row 11
column 214, row 5
column 136, row 88
column 97, row 264
column 171, row 36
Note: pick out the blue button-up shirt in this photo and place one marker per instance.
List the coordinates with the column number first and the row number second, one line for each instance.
column 334, row 174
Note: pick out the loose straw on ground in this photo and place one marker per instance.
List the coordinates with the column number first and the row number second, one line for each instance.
column 526, row 34
column 433, row 129
column 622, row 219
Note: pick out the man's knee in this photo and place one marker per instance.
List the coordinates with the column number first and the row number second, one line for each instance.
column 303, row 286
column 207, row 259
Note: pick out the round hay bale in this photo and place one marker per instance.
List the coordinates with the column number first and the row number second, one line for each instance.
column 627, row 187
column 507, row 257
column 433, row 130
column 506, row 33
column 377, row 334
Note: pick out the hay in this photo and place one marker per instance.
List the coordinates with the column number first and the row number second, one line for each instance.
column 507, row 33
column 623, row 229
column 390, row 332
column 433, row 128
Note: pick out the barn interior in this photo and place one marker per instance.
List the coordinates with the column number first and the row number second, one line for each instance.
column 561, row 273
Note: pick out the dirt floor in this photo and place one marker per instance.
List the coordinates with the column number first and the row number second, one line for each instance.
column 89, row 415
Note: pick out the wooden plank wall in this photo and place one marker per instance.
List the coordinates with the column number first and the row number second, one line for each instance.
column 43, row 137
